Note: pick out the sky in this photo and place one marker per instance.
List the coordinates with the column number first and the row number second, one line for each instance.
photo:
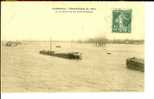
column 38, row 21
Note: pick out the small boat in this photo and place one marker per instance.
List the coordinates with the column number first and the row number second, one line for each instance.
column 71, row 55
column 135, row 64
column 12, row 43
column 58, row 46
column 47, row 52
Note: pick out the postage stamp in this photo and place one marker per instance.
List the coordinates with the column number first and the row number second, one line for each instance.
column 121, row 21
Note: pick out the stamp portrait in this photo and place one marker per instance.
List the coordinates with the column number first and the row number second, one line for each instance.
column 121, row 21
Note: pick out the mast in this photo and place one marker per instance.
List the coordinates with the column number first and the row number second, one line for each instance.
column 50, row 44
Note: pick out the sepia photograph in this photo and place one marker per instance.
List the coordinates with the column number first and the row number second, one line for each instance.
column 72, row 47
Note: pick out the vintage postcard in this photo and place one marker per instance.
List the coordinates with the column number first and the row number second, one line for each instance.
column 72, row 46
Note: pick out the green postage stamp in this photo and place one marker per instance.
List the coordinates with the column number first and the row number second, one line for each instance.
column 121, row 21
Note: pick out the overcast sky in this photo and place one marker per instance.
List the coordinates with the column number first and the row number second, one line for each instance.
column 38, row 21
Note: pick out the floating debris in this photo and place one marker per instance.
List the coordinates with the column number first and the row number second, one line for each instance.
column 135, row 64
